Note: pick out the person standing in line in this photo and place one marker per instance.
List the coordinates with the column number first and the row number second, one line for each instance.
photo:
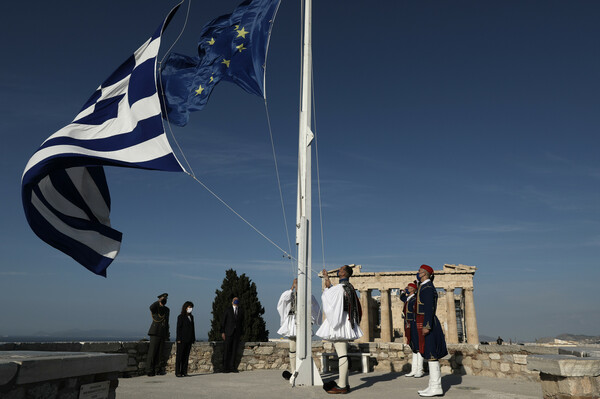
column 159, row 333
column 410, row 331
column 186, row 336
column 432, row 344
column 232, row 328
column 286, row 307
column 342, row 324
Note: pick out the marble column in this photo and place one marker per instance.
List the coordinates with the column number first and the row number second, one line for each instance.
column 386, row 316
column 452, row 333
column 470, row 318
column 366, row 324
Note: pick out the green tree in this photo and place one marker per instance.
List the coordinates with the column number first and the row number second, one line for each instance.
column 242, row 287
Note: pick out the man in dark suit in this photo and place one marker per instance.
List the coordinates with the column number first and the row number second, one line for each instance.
column 232, row 328
column 159, row 333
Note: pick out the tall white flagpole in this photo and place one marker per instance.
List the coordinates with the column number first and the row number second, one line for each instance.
column 306, row 371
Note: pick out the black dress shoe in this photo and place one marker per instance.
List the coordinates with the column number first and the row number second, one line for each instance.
column 162, row 372
column 151, row 374
column 286, row 375
column 328, row 385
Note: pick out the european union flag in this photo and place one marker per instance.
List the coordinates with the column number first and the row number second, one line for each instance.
column 232, row 47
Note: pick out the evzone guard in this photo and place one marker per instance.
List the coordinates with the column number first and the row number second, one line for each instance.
column 286, row 307
column 432, row 344
column 342, row 324
column 408, row 296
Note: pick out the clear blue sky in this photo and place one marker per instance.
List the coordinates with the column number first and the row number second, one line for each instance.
column 448, row 132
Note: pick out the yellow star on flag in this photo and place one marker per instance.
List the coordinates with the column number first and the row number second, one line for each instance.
column 241, row 47
column 226, row 62
column 199, row 90
column 211, row 79
column 211, row 41
column 242, row 32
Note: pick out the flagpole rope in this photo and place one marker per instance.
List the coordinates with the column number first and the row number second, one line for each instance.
column 314, row 113
column 166, row 114
column 285, row 223
column 286, row 254
column 187, row 15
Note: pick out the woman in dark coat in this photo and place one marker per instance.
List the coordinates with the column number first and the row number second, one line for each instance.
column 186, row 336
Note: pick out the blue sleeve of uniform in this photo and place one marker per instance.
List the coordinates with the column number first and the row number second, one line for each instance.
column 427, row 299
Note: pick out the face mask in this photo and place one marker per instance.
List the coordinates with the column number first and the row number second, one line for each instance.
column 418, row 278
column 163, row 301
column 236, row 302
column 189, row 310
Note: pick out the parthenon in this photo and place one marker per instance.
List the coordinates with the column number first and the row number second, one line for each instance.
column 382, row 315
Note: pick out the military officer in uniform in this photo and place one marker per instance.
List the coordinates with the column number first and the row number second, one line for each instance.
column 159, row 333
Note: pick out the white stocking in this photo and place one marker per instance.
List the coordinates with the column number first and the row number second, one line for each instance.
column 292, row 355
column 341, row 348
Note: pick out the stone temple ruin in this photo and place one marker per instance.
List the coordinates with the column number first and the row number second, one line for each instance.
column 382, row 308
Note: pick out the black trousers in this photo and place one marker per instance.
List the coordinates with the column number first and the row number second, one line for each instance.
column 155, row 353
column 182, row 358
column 230, row 351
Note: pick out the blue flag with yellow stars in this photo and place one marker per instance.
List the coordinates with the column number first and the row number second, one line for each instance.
column 232, row 47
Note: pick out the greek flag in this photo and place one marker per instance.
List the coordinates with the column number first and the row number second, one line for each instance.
column 64, row 190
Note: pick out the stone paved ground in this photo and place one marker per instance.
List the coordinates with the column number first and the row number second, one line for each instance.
column 268, row 384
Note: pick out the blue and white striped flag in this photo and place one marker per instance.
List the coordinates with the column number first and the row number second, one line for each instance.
column 64, row 190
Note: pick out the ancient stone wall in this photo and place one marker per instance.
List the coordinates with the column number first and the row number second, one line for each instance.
column 500, row 361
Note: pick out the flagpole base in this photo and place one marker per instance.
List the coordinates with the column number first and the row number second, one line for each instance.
column 307, row 373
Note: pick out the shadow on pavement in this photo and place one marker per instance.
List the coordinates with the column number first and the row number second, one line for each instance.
column 449, row 380
column 370, row 381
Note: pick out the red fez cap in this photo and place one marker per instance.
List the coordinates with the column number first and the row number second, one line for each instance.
column 428, row 269
column 413, row 285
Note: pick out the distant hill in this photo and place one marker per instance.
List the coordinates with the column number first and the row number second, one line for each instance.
column 584, row 339
column 77, row 335
column 580, row 339
column 94, row 334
